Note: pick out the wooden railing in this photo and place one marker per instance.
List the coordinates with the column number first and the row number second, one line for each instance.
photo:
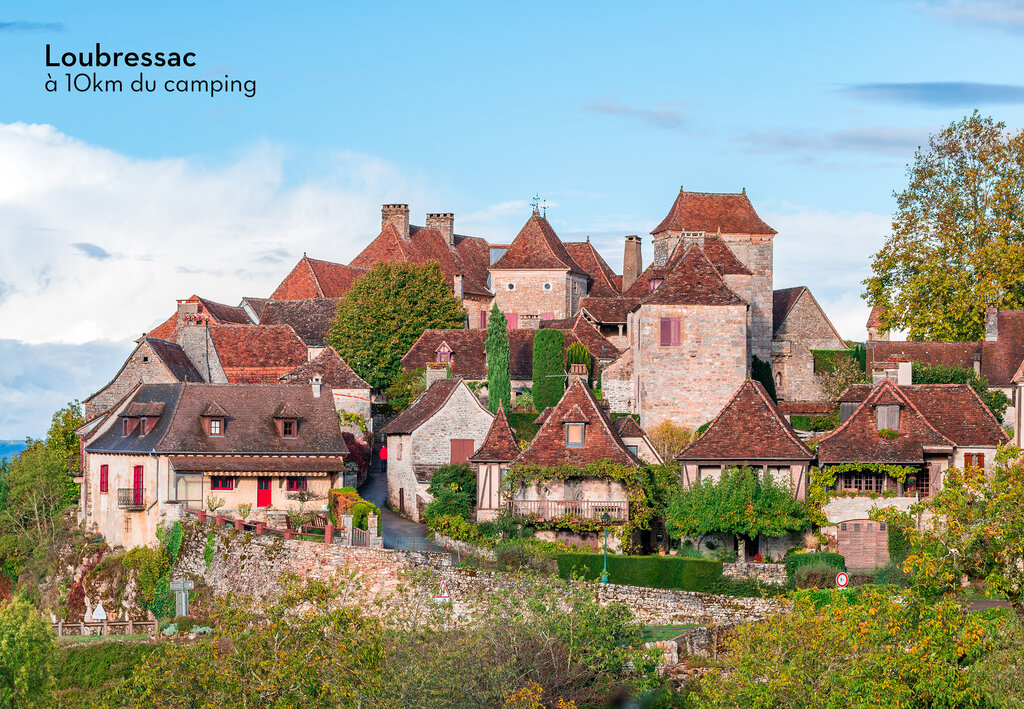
column 105, row 627
column 131, row 498
column 617, row 510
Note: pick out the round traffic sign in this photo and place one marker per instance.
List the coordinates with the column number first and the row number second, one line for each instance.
column 842, row 579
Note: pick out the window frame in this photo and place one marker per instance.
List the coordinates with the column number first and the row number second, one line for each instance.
column 219, row 422
column 297, row 483
column 582, row 428
column 222, row 482
column 285, row 424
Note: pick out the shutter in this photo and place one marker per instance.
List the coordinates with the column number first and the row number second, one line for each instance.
column 547, row 316
column 483, row 319
column 934, row 479
column 677, row 338
column 461, row 449
column 666, row 332
column 513, row 320
column 104, row 478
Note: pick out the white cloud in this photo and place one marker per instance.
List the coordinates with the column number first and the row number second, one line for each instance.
column 97, row 246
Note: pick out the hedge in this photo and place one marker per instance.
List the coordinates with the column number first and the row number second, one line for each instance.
column 523, row 424
column 795, row 561
column 548, row 369
column 650, row 571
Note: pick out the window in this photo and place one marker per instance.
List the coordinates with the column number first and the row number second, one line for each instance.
column 444, row 353
column 671, row 335
column 974, row 460
column 145, row 358
column 104, row 478
column 297, row 485
column 860, row 481
column 222, row 482
column 632, row 449
column 398, row 451
column 216, row 427
column 652, row 285
column 511, row 286
column 888, row 417
column 126, row 426
column 575, row 435
column 547, row 286
column 288, row 427
column 846, row 409
column 919, row 484
column 143, row 426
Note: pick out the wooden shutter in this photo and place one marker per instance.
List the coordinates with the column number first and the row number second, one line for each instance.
column 547, row 316
column 677, row 338
column 513, row 320
column 461, row 449
column 483, row 319
column 104, row 478
column 666, row 332
column 934, row 479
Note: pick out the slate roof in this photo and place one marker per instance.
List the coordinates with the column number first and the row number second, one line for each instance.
column 710, row 212
column 469, row 257
column 603, row 281
column 334, row 371
column 426, row 405
column 312, row 278
column 749, row 429
column 537, row 246
column 311, row 318
column 694, row 282
column 111, row 441
column 601, row 442
column 856, row 440
column 783, row 301
column 500, row 443
column 175, row 359
column 257, row 352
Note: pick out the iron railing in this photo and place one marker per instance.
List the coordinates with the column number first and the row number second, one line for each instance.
column 617, row 510
column 131, row 498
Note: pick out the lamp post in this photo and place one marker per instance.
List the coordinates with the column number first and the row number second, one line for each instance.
column 606, row 518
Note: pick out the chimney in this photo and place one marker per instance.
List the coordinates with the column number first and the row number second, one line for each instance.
column 578, row 371
column 436, row 371
column 188, row 313
column 632, row 261
column 398, row 215
column 692, row 237
column 977, row 363
column 457, row 285
column 317, row 383
column 991, row 324
column 444, row 223
column 904, row 373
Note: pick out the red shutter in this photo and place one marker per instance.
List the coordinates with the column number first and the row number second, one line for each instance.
column 104, row 478
column 666, row 332
column 462, row 449
column 547, row 316
column 137, row 486
column 676, row 334
column 513, row 320
column 483, row 319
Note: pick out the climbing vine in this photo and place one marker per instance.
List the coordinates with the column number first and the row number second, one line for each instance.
column 896, row 472
column 347, row 419
column 822, row 481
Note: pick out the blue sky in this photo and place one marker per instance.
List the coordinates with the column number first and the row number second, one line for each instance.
column 113, row 205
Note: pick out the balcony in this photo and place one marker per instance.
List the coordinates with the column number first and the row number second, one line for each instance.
column 131, row 498
column 618, row 510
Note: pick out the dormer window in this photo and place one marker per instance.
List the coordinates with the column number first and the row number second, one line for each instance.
column 143, row 426
column 289, row 428
column 575, row 435
column 444, row 353
column 216, row 427
column 652, row 285
column 128, row 424
column 887, row 417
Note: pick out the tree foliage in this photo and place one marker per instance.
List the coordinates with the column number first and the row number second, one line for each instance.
column 957, row 241
column 742, row 502
column 384, row 313
column 996, row 401
column 453, row 488
column 669, row 439
column 405, row 388
column 499, row 386
column 548, row 373
column 844, row 371
column 26, row 649
column 761, row 371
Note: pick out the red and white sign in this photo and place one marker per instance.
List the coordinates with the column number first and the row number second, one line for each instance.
column 443, row 596
column 842, row 579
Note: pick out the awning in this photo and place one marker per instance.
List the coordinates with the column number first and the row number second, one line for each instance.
column 252, row 466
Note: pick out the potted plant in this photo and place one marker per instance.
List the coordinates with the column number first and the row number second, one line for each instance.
column 213, row 504
column 244, row 510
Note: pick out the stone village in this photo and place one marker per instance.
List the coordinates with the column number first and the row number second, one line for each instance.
column 241, row 404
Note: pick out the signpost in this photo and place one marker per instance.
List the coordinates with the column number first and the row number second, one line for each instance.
column 842, row 579
column 99, row 613
column 181, row 587
column 443, row 596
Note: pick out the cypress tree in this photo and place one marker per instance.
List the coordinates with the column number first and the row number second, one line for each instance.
column 548, row 373
column 761, row 371
column 499, row 386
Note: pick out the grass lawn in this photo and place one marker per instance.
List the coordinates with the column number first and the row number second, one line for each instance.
column 82, row 639
column 653, row 633
column 85, row 669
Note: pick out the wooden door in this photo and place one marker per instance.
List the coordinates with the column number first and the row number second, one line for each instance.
column 137, row 485
column 263, row 494
column 462, row 448
column 401, row 500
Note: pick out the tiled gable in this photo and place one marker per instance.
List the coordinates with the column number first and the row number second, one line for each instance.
column 694, row 282
column 257, row 353
column 313, row 278
column 175, row 359
column 711, row 212
column 537, row 246
column 500, row 445
column 603, row 281
column 426, row 405
column 311, row 319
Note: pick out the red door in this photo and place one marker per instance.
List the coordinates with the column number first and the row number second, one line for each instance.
column 263, row 492
column 137, row 486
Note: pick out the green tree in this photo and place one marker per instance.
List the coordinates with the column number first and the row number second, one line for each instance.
column 384, row 313
column 996, row 401
column 405, row 388
column 761, row 371
column 499, row 386
column 577, row 354
column 957, row 241
column 453, row 488
column 548, row 373
column 26, row 649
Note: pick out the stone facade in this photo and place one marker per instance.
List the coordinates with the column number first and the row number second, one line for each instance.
column 353, row 401
column 198, row 345
column 805, row 328
column 618, row 386
column 142, row 367
column 755, row 251
column 538, row 292
column 765, row 573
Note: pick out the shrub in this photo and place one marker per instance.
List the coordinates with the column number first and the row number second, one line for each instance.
column 649, row 571
column 761, row 371
column 670, row 438
column 835, row 562
column 453, row 487
column 891, row 574
column 523, row 424
column 548, row 374
column 817, row 575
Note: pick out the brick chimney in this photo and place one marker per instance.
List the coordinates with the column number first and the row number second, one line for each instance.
column 991, row 324
column 398, row 215
column 632, row 261
column 436, row 371
column 444, row 223
column 577, row 371
column 188, row 313
column 457, row 285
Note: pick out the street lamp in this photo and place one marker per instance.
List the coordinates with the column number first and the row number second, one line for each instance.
column 606, row 518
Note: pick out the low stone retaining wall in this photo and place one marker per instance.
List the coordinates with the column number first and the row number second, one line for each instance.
column 765, row 573
column 465, row 548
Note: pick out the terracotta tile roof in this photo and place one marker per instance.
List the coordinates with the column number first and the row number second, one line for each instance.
column 167, row 330
column 537, row 246
column 213, row 410
column 175, row 359
column 311, row 318
column 609, row 310
column 1019, row 376
column 875, row 316
column 499, row 445
column 783, row 301
column 627, row 427
column 312, row 278
column 149, row 408
column 601, row 442
column 249, row 426
column 257, row 353
column 710, row 212
column 333, row 370
column 603, row 281
column 950, row 354
column 239, row 465
column 721, row 256
column 256, row 305
column 805, row 407
column 213, row 312
column 470, row 256
column 543, row 415
column 749, row 429
column 1000, row 359
column 857, row 440
column 580, row 329
column 695, row 282
column 426, row 405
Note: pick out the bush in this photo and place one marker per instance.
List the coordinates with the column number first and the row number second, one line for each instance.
column 523, row 424
column 835, row 563
column 891, row 574
column 669, row 439
column 818, row 575
column 761, row 371
column 548, row 373
column 649, row 571
column 453, row 487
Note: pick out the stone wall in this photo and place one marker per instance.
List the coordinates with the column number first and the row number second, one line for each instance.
column 142, row 367
column 806, row 328
column 756, row 252
column 529, row 295
column 765, row 573
column 617, row 385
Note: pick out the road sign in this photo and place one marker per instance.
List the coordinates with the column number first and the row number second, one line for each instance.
column 181, row 587
column 443, row 596
column 842, row 579
column 99, row 613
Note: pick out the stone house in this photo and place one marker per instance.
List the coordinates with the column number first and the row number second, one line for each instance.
column 445, row 424
column 800, row 327
column 168, row 446
column 927, row 427
column 350, row 393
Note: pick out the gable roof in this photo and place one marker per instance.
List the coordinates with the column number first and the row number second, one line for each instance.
column 426, row 405
column 710, row 212
column 329, row 365
column 750, row 428
column 311, row 318
column 609, row 310
column 856, row 440
column 579, row 329
column 601, row 442
column 537, row 246
column 786, row 299
column 694, row 282
column 175, row 359
column 875, row 316
column 254, row 353
column 627, row 427
column 209, row 310
column 313, row 278
column 112, row 440
column 714, row 248
column 499, row 444
column 604, row 282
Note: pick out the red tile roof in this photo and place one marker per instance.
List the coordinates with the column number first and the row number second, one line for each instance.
column 426, row 405
column 329, row 365
column 281, row 465
column 603, row 281
column 950, row 354
column 212, row 311
column 312, row 278
column 749, row 429
column 711, row 212
column 311, row 319
column 601, row 442
column 627, row 427
column 580, row 329
column 257, row 353
column 499, row 445
column 695, row 282
column 857, row 440
column 537, row 246
column 609, row 310
column 806, row 407
column 875, row 316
